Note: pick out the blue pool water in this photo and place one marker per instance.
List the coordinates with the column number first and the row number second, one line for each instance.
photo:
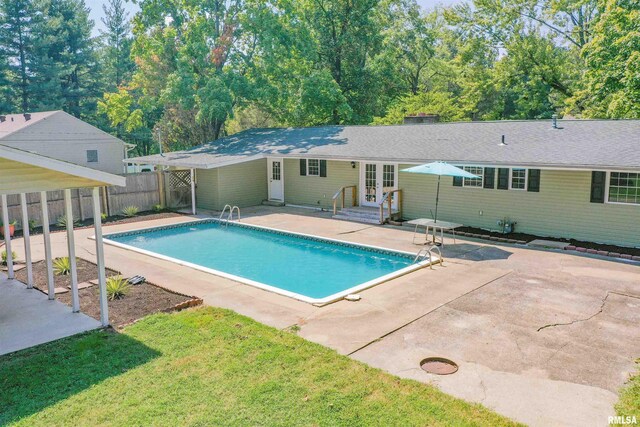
column 311, row 267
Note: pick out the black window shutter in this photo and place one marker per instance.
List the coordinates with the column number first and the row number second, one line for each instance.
column 598, row 180
column 503, row 178
column 534, row 180
column 489, row 178
column 323, row 168
column 457, row 181
column 303, row 167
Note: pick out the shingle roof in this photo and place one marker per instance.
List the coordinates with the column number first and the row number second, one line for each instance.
column 16, row 122
column 587, row 144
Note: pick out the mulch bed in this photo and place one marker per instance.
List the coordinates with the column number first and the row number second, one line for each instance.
column 141, row 300
column 524, row 238
column 86, row 271
column 111, row 220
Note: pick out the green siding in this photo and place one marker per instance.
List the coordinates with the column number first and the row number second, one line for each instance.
column 315, row 190
column 561, row 208
column 207, row 188
column 244, row 184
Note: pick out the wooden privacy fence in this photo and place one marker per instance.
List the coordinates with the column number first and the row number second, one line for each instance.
column 143, row 190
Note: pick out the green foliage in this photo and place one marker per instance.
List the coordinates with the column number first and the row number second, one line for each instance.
column 61, row 221
column 32, row 224
column 629, row 404
column 62, row 266
column 3, row 257
column 157, row 208
column 117, row 287
column 130, row 211
column 229, row 370
column 103, row 216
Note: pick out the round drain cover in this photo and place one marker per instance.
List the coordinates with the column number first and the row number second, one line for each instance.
column 439, row 366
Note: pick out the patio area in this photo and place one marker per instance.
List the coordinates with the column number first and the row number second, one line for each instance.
column 515, row 319
column 29, row 318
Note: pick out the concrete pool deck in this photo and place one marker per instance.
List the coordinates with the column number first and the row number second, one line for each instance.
column 482, row 309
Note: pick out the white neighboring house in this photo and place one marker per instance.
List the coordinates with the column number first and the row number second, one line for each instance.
column 62, row 136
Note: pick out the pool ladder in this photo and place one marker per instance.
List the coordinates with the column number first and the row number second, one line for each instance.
column 427, row 253
column 232, row 209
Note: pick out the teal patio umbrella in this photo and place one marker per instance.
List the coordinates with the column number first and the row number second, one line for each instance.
column 440, row 169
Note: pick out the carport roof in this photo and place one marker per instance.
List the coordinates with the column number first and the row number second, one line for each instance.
column 23, row 172
column 577, row 144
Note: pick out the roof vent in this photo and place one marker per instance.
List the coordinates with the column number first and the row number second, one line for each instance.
column 554, row 121
column 27, row 116
column 3, row 118
column 502, row 143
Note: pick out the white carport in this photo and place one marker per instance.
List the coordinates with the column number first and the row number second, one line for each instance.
column 23, row 172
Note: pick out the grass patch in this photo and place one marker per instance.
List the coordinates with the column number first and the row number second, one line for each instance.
column 629, row 404
column 213, row 367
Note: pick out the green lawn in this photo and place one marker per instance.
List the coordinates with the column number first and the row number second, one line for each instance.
column 213, row 367
column 629, row 404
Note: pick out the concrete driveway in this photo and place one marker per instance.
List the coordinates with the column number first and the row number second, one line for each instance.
column 546, row 338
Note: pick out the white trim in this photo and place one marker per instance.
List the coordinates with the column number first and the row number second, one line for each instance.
column 38, row 160
column 316, row 301
column 307, row 167
column 68, row 210
column 270, row 161
column 102, row 280
column 526, row 179
column 379, row 182
column 7, row 236
column 48, row 258
column 606, row 189
column 26, row 237
column 550, row 166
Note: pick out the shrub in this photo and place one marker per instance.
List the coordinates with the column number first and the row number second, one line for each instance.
column 32, row 224
column 130, row 211
column 62, row 221
column 103, row 216
column 117, row 287
column 4, row 257
column 62, row 266
column 157, row 208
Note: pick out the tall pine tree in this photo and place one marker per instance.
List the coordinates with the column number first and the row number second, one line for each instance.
column 116, row 41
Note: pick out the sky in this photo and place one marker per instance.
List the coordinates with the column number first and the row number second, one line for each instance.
column 97, row 13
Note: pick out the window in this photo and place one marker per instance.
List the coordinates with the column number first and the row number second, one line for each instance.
column 624, row 187
column 313, row 167
column 473, row 182
column 92, row 156
column 275, row 170
column 518, row 179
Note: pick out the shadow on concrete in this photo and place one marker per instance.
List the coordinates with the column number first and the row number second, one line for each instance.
column 36, row 378
column 474, row 252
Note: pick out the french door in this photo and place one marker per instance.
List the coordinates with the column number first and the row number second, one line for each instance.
column 376, row 179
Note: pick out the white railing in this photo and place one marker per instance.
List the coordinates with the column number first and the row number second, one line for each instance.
column 388, row 199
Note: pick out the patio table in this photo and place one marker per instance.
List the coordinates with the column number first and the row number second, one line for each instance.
column 430, row 224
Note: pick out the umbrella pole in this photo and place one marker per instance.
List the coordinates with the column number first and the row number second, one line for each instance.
column 437, row 197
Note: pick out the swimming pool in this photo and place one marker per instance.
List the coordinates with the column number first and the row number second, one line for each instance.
column 305, row 267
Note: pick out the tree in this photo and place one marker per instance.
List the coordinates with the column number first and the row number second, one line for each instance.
column 68, row 76
column 17, row 19
column 116, row 41
column 611, row 84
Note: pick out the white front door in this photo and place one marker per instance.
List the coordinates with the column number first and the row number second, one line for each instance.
column 376, row 179
column 276, row 179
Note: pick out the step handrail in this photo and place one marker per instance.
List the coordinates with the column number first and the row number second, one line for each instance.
column 389, row 200
column 223, row 211
column 428, row 254
column 234, row 208
column 341, row 192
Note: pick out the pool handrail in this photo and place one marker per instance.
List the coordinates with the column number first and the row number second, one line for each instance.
column 224, row 210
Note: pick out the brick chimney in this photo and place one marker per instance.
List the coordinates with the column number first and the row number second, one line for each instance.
column 421, row 118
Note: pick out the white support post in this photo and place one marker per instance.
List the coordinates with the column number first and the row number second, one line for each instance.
column 48, row 258
column 27, row 239
column 102, row 281
column 68, row 209
column 193, row 192
column 7, row 236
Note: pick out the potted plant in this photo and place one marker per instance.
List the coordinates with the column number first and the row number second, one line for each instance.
column 12, row 228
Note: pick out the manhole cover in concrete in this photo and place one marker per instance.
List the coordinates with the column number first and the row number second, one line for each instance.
column 439, row 366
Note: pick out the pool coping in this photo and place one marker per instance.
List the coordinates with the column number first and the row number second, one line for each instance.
column 315, row 301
